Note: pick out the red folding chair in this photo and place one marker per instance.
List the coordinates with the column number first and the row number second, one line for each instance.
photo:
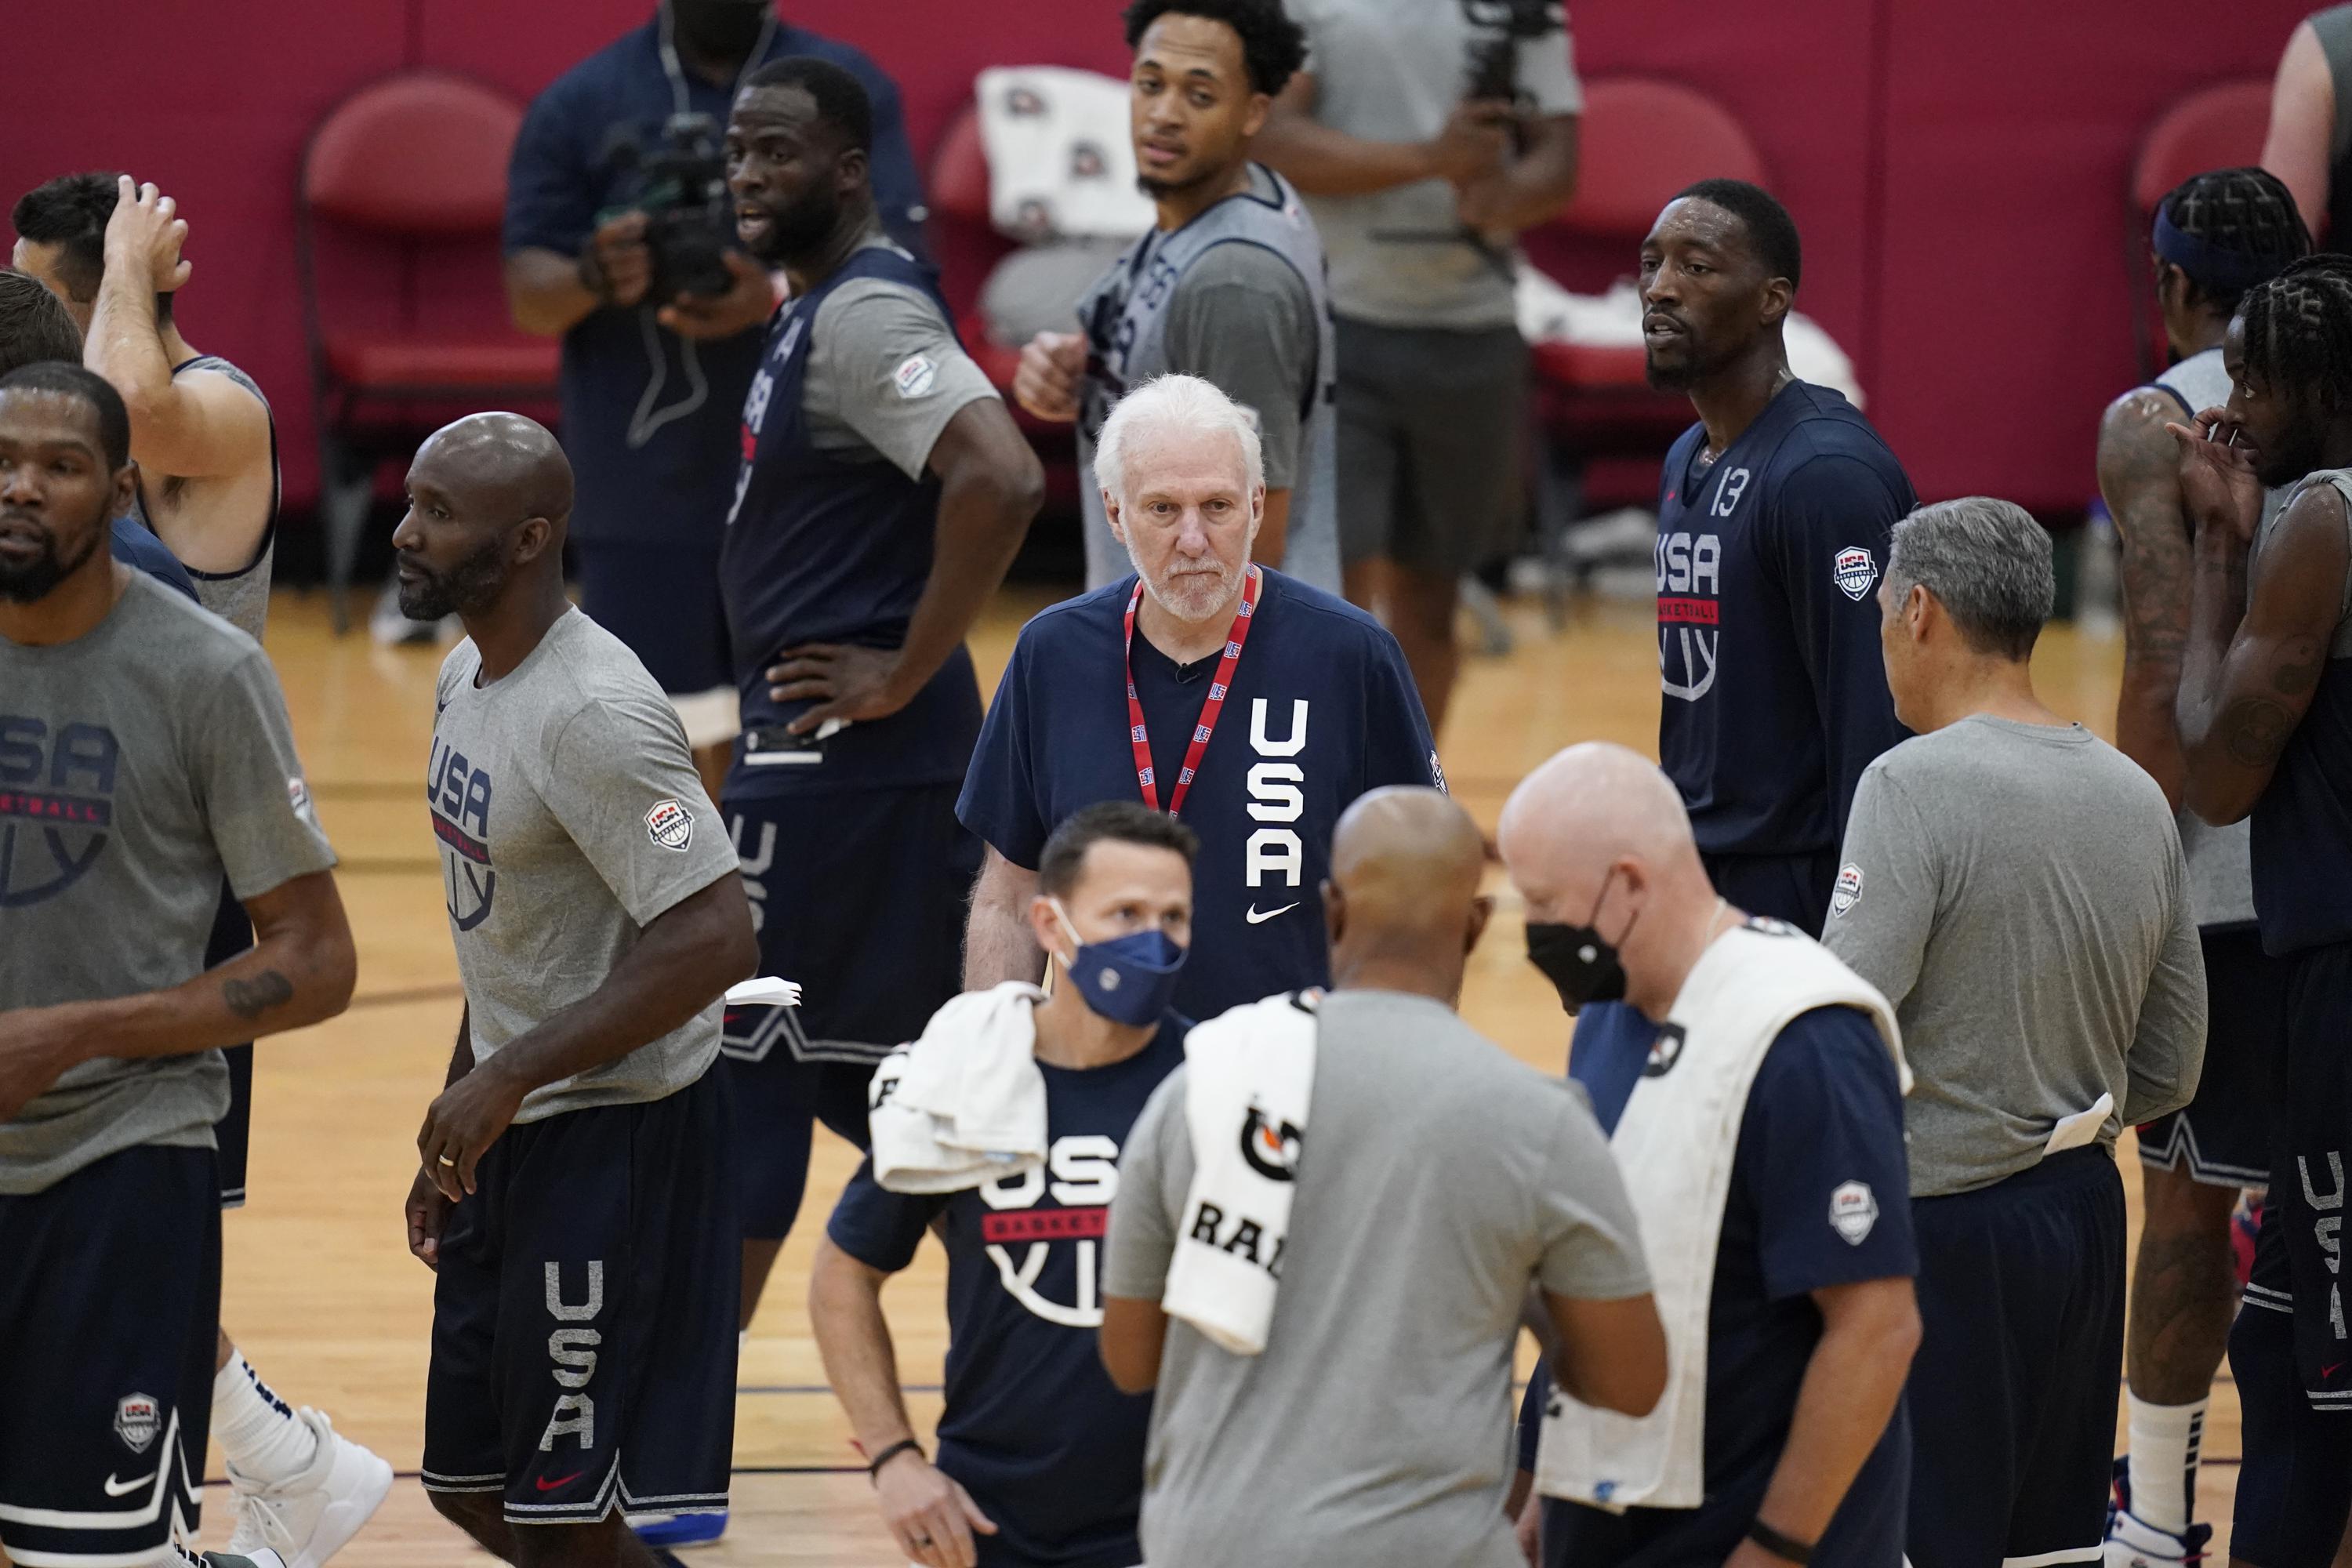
column 407, row 178
column 2221, row 127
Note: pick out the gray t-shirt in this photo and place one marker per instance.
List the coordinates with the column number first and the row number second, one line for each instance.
column 1392, row 70
column 140, row 764
column 1439, row 1177
column 1243, row 319
column 570, row 818
column 859, row 403
column 2017, row 891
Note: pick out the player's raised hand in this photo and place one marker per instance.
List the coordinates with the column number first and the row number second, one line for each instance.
column 145, row 234
column 428, row 1215
column 1053, row 365
column 2219, row 488
column 931, row 1517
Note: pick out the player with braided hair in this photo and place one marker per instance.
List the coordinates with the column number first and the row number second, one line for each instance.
column 2215, row 236
column 2265, row 727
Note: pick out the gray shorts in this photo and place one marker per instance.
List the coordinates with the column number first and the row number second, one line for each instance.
column 1432, row 426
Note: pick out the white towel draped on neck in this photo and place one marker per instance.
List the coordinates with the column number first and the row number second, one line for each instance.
column 1674, row 1145
column 965, row 1104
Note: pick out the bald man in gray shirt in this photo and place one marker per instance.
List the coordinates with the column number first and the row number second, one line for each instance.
column 2015, row 887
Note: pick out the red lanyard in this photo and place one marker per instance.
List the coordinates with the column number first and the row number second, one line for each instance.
column 1213, row 706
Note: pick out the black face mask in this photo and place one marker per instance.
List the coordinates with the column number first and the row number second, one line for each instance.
column 1581, row 964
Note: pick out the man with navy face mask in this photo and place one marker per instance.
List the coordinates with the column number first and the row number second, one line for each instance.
column 1040, row 1458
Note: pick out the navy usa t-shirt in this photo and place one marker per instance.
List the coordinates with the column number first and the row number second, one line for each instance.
column 1033, row 1429
column 1823, row 1133
column 1769, row 560
column 1322, row 708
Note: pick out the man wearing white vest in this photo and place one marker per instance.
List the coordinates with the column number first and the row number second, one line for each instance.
column 2016, row 888
column 1752, row 1086
column 1347, row 1246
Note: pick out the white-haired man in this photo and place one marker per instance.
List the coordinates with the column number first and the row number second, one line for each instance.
column 1252, row 706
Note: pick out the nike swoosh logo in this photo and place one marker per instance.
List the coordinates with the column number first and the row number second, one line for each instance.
column 2331, row 1370
column 548, row 1486
column 124, row 1489
column 1256, row 919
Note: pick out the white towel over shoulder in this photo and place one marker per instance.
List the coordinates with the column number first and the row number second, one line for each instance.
column 1250, row 1074
column 965, row 1104
column 1673, row 1145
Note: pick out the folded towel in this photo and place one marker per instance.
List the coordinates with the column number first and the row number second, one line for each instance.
column 1250, row 1074
column 965, row 1104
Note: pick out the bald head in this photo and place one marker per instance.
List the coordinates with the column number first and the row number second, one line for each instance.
column 1588, row 807
column 488, row 499
column 1405, row 864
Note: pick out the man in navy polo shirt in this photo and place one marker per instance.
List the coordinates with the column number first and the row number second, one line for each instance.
column 883, row 491
column 1252, row 706
column 1773, row 517
column 1040, row 1457
column 652, row 387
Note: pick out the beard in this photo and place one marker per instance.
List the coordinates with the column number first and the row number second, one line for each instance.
column 1194, row 597
column 37, row 579
column 2297, row 453
column 472, row 584
column 799, row 229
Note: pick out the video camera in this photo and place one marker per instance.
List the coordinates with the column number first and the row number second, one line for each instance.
column 1495, row 62
column 680, row 185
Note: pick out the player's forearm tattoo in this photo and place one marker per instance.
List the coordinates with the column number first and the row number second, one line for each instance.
column 2299, row 667
column 252, row 999
column 2255, row 730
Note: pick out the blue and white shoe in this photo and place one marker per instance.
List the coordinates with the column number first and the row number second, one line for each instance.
column 668, row 1530
column 2133, row 1542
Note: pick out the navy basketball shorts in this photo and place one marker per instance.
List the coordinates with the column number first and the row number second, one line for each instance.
column 233, row 934
column 110, row 1309
column 861, row 898
column 2021, row 1359
column 2223, row 1136
column 1791, row 888
column 583, row 1318
column 1431, row 443
column 2290, row 1348
column 662, row 601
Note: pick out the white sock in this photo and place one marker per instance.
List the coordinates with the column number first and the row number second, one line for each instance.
column 2165, row 1439
column 259, row 1432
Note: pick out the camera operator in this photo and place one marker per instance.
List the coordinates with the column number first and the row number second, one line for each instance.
column 1425, row 134
column 615, row 203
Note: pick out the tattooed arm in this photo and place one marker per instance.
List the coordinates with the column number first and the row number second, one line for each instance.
column 2140, row 478
column 297, row 972
column 2247, row 678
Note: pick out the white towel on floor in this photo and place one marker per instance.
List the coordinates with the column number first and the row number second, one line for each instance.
column 965, row 1104
column 1250, row 1074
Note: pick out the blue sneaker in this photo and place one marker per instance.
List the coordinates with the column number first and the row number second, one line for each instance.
column 665, row 1529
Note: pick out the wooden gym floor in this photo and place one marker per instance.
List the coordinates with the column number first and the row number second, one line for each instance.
column 321, row 1292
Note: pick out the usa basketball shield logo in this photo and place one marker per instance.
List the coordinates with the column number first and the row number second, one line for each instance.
column 1855, row 572
column 137, row 1418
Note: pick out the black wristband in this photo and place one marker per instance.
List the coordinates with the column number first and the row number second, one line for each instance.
column 1777, row 1544
column 904, row 1445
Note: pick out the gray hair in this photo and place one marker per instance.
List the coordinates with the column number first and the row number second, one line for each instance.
column 1986, row 562
column 1172, row 403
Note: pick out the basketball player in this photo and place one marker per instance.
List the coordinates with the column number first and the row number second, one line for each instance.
column 1041, row 1460
column 2265, row 715
column 2216, row 236
column 1249, row 704
column 573, row 1196
column 1773, row 514
column 144, row 756
column 883, row 493
column 206, row 484
column 1228, row 285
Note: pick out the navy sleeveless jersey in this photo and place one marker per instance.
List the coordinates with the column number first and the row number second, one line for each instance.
column 1032, row 1428
column 1322, row 708
column 1767, row 563
column 2302, row 823
column 823, row 549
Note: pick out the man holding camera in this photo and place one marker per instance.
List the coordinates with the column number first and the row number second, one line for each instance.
column 1426, row 136
column 619, row 238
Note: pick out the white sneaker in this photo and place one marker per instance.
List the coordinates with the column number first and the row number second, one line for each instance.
column 266, row 1559
column 305, row 1520
column 2133, row 1542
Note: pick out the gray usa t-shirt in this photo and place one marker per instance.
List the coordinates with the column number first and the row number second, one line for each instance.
column 1392, row 70
column 1438, row 1177
column 140, row 764
column 856, row 403
column 2018, row 892
column 569, row 817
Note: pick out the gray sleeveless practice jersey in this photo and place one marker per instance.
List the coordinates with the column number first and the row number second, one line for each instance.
column 2221, row 872
column 240, row 598
column 1126, row 317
